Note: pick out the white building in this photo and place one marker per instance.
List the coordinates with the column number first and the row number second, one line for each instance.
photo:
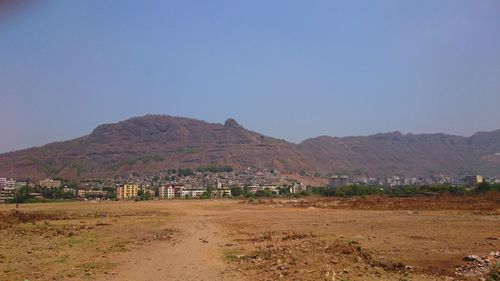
column 88, row 192
column 184, row 193
column 167, row 192
column 19, row 184
column 6, row 193
column 10, row 183
column 3, row 182
column 196, row 193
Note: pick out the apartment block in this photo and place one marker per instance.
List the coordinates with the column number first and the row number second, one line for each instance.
column 127, row 191
column 167, row 192
column 50, row 183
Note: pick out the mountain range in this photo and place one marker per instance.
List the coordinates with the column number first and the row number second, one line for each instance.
column 147, row 144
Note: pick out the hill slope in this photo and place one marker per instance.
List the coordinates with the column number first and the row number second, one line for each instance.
column 148, row 144
column 153, row 142
column 398, row 154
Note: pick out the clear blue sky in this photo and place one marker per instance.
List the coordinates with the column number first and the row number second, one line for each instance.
column 288, row 69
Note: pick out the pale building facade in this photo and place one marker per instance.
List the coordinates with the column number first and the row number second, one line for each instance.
column 50, row 183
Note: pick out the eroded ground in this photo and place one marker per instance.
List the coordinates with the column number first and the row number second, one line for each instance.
column 312, row 239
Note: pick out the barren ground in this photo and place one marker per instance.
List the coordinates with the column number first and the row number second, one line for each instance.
column 313, row 239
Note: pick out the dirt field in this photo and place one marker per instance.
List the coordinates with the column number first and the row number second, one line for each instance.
column 315, row 239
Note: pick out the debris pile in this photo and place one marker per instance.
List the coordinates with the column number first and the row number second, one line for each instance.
column 478, row 266
column 304, row 257
column 9, row 219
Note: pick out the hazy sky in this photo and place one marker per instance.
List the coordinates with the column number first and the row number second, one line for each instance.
column 288, row 69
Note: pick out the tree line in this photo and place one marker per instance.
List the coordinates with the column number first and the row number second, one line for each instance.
column 406, row 190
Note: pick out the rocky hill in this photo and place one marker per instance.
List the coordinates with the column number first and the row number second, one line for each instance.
column 398, row 154
column 154, row 142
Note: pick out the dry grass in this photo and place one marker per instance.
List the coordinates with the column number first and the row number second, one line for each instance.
column 372, row 238
column 486, row 202
column 73, row 240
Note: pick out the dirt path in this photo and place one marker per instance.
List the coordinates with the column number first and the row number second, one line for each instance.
column 195, row 254
column 226, row 240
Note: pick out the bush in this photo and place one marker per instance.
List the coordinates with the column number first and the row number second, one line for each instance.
column 485, row 187
column 249, row 195
column 264, row 193
column 214, row 169
column 23, row 194
column 304, row 193
column 236, row 191
column 185, row 172
column 406, row 190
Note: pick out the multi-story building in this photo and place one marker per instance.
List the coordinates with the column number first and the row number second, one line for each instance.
column 336, row 181
column 9, row 187
column 196, row 193
column 91, row 193
column 179, row 191
column 81, row 193
column 225, row 192
column 470, row 180
column 6, row 194
column 50, row 183
column 127, row 191
column 19, row 184
column 167, row 192
column 11, row 183
column 183, row 193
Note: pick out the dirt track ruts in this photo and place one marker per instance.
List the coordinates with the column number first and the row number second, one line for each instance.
column 194, row 254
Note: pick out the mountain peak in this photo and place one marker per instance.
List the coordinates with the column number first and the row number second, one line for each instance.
column 151, row 143
column 231, row 123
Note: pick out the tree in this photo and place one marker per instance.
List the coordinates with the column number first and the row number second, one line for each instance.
column 143, row 195
column 111, row 192
column 284, row 190
column 264, row 193
column 268, row 192
column 483, row 187
column 246, row 189
column 23, row 194
column 260, row 193
column 185, row 172
column 214, row 169
column 236, row 191
column 210, row 189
